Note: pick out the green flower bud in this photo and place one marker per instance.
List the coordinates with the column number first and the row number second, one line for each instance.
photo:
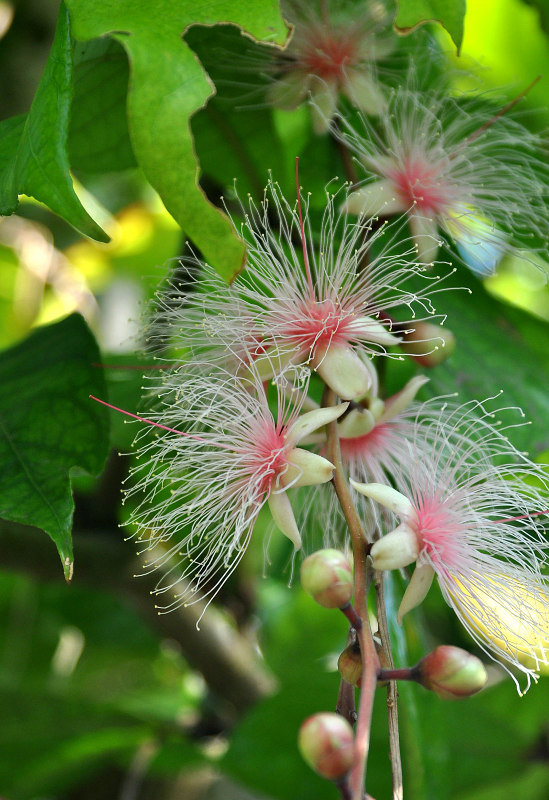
column 326, row 742
column 418, row 342
column 450, row 672
column 349, row 665
column 327, row 576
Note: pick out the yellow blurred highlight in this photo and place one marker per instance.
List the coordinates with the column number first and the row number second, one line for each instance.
column 507, row 47
column 525, row 637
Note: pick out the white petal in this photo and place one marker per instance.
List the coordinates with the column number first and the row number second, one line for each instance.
column 376, row 198
column 400, row 401
column 343, row 370
column 425, row 235
column 309, row 422
column 306, row 469
column 387, row 496
column 356, row 423
column 323, row 104
column 395, row 550
column 371, row 329
column 289, row 91
column 417, row 589
column 365, row 92
column 283, row 515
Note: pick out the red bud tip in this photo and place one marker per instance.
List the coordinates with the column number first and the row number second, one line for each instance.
column 327, row 576
column 349, row 665
column 451, row 672
column 326, row 742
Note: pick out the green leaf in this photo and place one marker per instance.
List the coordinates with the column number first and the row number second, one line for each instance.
column 99, row 140
column 48, row 424
column 498, row 348
column 34, row 152
column 449, row 13
column 167, row 86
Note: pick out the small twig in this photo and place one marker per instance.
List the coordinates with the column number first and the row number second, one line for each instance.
column 344, row 788
column 501, row 112
column 352, row 616
column 387, row 664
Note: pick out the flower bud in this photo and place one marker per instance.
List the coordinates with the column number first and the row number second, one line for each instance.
column 396, row 549
column 425, row 337
column 326, row 742
column 450, row 672
column 349, row 665
column 327, row 576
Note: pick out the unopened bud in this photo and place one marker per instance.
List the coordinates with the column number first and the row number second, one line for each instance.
column 428, row 337
column 349, row 665
column 327, row 576
column 396, row 549
column 450, row 672
column 326, row 742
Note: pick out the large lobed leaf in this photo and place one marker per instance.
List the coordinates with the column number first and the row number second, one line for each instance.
column 48, row 425
column 449, row 13
column 167, row 86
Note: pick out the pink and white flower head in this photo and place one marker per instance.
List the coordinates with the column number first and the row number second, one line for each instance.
column 333, row 51
column 468, row 515
column 299, row 301
column 373, row 439
column 453, row 168
column 218, row 455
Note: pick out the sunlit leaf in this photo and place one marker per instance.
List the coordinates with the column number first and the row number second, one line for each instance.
column 168, row 85
column 412, row 13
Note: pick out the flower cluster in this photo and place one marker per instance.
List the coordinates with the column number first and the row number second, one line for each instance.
column 317, row 304
column 455, row 167
column 470, row 511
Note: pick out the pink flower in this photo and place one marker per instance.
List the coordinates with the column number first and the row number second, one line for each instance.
column 332, row 51
column 218, row 455
column 468, row 516
column 316, row 305
column 452, row 165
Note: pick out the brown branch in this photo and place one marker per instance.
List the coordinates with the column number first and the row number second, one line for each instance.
column 224, row 657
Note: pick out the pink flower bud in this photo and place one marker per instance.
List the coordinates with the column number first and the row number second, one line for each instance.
column 349, row 665
column 451, row 672
column 326, row 742
column 429, row 344
column 327, row 576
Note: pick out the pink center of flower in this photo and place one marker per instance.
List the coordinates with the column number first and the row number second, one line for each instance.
column 371, row 445
column 267, row 455
column 317, row 324
column 439, row 532
column 419, row 183
column 327, row 53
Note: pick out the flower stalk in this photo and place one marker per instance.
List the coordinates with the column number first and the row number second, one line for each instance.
column 363, row 579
